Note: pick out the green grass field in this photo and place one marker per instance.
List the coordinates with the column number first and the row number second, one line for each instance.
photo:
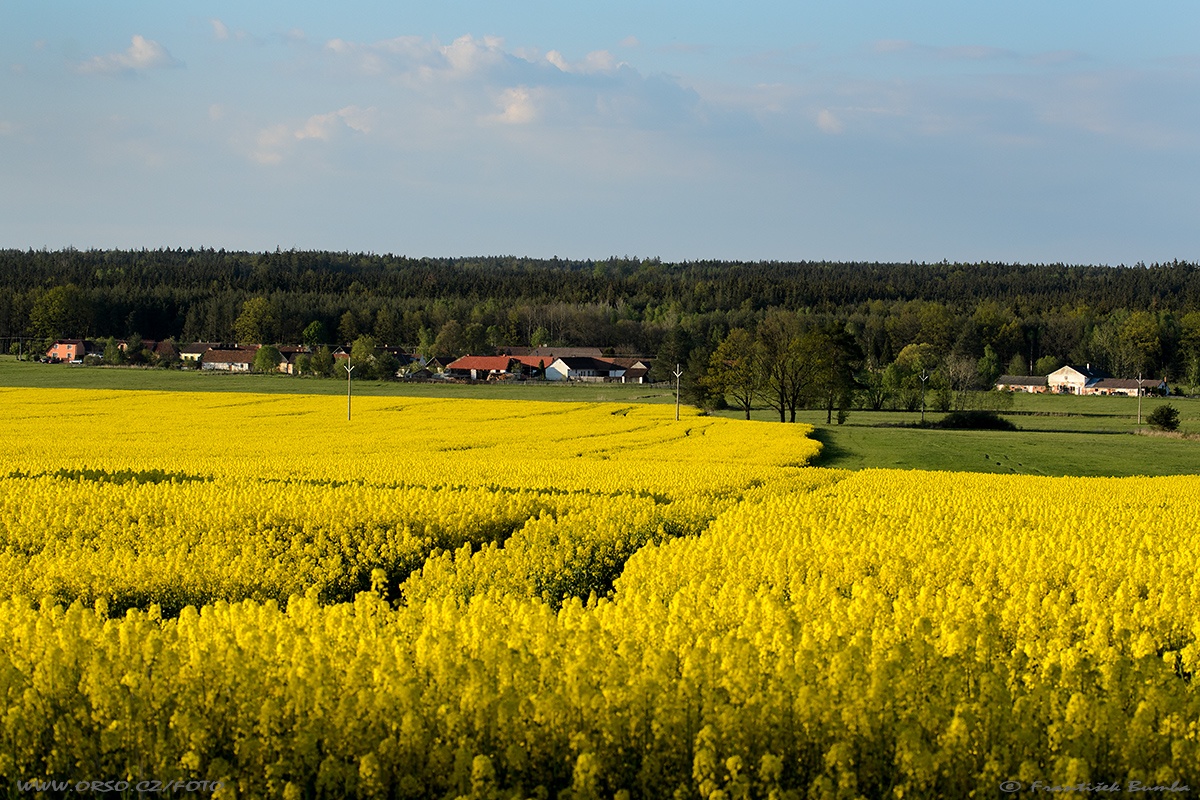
column 74, row 376
column 1090, row 436
column 1059, row 435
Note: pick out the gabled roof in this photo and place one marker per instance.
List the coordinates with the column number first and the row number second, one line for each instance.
column 1088, row 371
column 1128, row 383
column 1021, row 380
column 578, row 363
column 239, row 356
column 489, row 363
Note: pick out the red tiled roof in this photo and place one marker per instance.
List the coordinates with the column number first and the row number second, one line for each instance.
column 489, row 363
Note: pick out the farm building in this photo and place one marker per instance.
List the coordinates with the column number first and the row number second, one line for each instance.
column 196, row 350
column 68, row 350
column 238, row 360
column 1033, row 384
column 637, row 370
column 480, row 367
column 1129, row 387
column 583, row 368
column 1074, row 380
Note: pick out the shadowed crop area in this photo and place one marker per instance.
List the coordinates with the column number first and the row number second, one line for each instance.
column 458, row 598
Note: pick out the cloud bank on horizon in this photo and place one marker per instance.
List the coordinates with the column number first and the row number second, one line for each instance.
column 779, row 131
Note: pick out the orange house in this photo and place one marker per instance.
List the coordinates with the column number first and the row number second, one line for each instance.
column 67, row 350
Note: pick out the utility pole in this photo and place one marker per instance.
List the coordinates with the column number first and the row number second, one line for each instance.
column 1139, row 401
column 924, row 377
column 678, row 372
column 349, row 370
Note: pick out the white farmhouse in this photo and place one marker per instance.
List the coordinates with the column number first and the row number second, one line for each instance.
column 583, row 368
column 1074, row 380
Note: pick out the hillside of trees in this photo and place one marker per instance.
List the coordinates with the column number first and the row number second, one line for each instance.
column 998, row 317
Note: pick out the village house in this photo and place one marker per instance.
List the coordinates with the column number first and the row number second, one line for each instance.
column 1082, row 381
column 166, row 350
column 480, row 367
column 237, row 360
column 71, row 350
column 436, row 365
column 583, row 368
column 1074, row 380
column 1033, row 384
column 1129, row 387
column 288, row 355
column 193, row 352
column 637, row 370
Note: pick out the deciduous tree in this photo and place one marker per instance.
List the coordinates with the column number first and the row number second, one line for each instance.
column 258, row 322
column 267, row 359
column 736, row 369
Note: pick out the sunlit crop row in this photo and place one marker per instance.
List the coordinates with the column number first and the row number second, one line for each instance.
column 137, row 497
column 573, row 601
column 598, row 448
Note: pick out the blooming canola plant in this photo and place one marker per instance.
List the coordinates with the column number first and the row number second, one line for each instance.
column 447, row 598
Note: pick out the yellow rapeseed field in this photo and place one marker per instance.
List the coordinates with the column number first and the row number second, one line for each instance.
column 484, row 599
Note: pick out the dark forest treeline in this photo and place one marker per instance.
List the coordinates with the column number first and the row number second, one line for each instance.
column 1021, row 312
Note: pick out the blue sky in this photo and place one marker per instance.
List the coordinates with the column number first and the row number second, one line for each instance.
column 1033, row 132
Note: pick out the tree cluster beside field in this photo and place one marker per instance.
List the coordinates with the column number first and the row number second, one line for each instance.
column 784, row 335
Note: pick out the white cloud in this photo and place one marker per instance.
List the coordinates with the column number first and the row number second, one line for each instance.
column 596, row 61
column 467, row 54
column 325, row 126
column 270, row 144
column 471, row 77
column 222, row 32
column 829, row 122
column 142, row 54
column 518, row 106
column 276, row 142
